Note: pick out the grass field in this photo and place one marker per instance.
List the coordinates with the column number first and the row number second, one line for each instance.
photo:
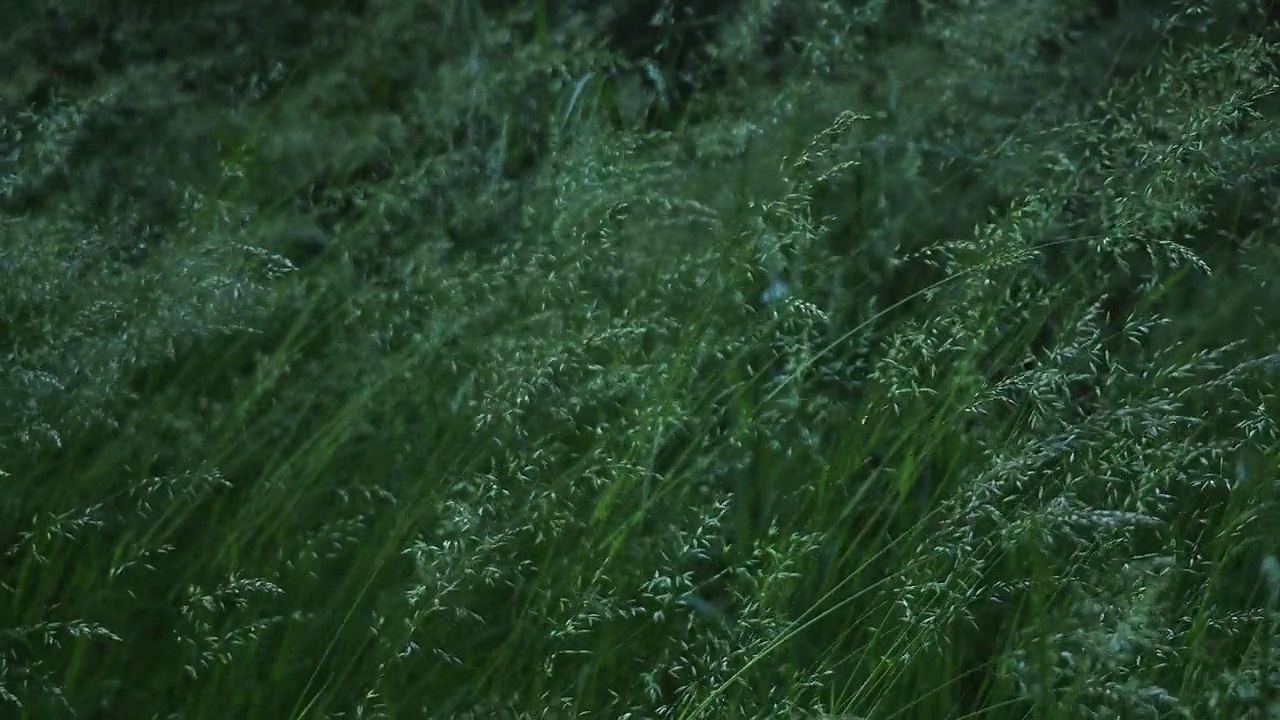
column 429, row 361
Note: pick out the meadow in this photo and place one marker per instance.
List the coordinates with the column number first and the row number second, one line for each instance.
column 640, row 359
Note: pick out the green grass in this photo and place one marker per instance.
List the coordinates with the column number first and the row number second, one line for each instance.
column 391, row 377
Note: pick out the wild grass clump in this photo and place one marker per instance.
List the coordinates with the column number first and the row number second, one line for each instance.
column 842, row 392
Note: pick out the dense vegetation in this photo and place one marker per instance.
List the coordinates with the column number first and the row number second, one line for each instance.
column 644, row 358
